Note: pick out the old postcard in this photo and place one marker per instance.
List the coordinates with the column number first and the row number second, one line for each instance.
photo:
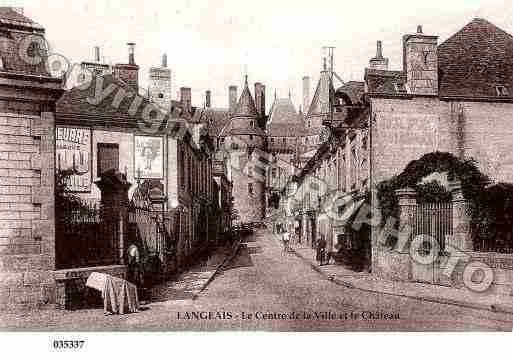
column 256, row 166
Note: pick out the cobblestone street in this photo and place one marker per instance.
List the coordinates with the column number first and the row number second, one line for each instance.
column 261, row 284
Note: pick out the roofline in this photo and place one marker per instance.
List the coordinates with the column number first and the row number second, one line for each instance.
column 477, row 99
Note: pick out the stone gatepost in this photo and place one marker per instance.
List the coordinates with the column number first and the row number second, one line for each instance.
column 407, row 205
column 461, row 238
column 397, row 264
column 114, row 199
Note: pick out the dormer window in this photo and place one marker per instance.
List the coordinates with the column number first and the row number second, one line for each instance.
column 501, row 91
column 400, row 88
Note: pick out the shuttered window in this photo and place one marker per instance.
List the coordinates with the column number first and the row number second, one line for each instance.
column 108, row 157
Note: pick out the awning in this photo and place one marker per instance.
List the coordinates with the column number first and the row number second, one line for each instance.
column 347, row 215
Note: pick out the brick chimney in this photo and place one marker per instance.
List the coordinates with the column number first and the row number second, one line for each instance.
column 185, row 98
column 164, row 60
column 379, row 62
column 208, row 98
column 260, row 98
column 232, row 98
column 306, row 93
column 97, row 54
column 420, row 63
column 128, row 73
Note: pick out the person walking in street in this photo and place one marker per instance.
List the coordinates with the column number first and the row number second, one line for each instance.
column 285, row 237
column 321, row 250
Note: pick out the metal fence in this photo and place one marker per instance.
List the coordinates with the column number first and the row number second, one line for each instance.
column 86, row 236
column 434, row 219
column 149, row 229
column 499, row 241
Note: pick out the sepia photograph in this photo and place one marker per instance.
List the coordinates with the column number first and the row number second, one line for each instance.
column 233, row 166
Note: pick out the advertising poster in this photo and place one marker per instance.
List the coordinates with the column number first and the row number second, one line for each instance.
column 148, row 161
column 73, row 153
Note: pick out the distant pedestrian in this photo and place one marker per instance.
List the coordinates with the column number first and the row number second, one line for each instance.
column 321, row 250
column 285, row 237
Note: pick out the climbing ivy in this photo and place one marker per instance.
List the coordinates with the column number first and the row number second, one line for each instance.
column 491, row 207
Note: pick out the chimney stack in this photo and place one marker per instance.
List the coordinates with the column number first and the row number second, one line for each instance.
column 131, row 53
column 232, row 97
column 260, row 98
column 421, row 49
column 208, row 95
column 97, row 54
column 185, row 98
column 379, row 62
column 128, row 73
column 306, row 93
column 164, row 60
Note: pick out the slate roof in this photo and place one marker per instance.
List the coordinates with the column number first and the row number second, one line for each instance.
column 475, row 60
column 246, row 105
column 75, row 105
column 320, row 100
column 10, row 39
column 354, row 90
column 283, row 111
column 284, row 121
column 471, row 64
column 384, row 81
column 8, row 16
column 215, row 118
column 296, row 129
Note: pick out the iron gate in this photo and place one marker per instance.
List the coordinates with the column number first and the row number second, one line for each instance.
column 434, row 220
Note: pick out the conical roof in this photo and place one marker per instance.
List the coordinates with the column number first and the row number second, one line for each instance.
column 246, row 105
column 320, row 104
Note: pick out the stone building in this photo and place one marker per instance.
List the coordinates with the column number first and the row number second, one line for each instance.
column 338, row 170
column 155, row 145
column 27, row 151
column 451, row 97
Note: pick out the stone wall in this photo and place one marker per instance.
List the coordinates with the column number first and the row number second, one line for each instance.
column 488, row 137
column 27, row 218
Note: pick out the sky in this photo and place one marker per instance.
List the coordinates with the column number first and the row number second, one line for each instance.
column 211, row 44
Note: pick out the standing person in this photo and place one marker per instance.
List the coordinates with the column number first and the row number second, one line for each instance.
column 285, row 239
column 135, row 272
column 321, row 250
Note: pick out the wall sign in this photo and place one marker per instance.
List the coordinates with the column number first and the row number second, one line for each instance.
column 148, row 157
column 73, row 153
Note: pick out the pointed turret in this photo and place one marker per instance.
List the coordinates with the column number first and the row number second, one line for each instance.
column 320, row 106
column 246, row 105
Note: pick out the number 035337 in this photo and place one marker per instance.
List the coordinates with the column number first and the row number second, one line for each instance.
column 68, row 344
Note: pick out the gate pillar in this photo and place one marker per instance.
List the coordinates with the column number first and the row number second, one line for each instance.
column 461, row 238
column 114, row 200
column 407, row 204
